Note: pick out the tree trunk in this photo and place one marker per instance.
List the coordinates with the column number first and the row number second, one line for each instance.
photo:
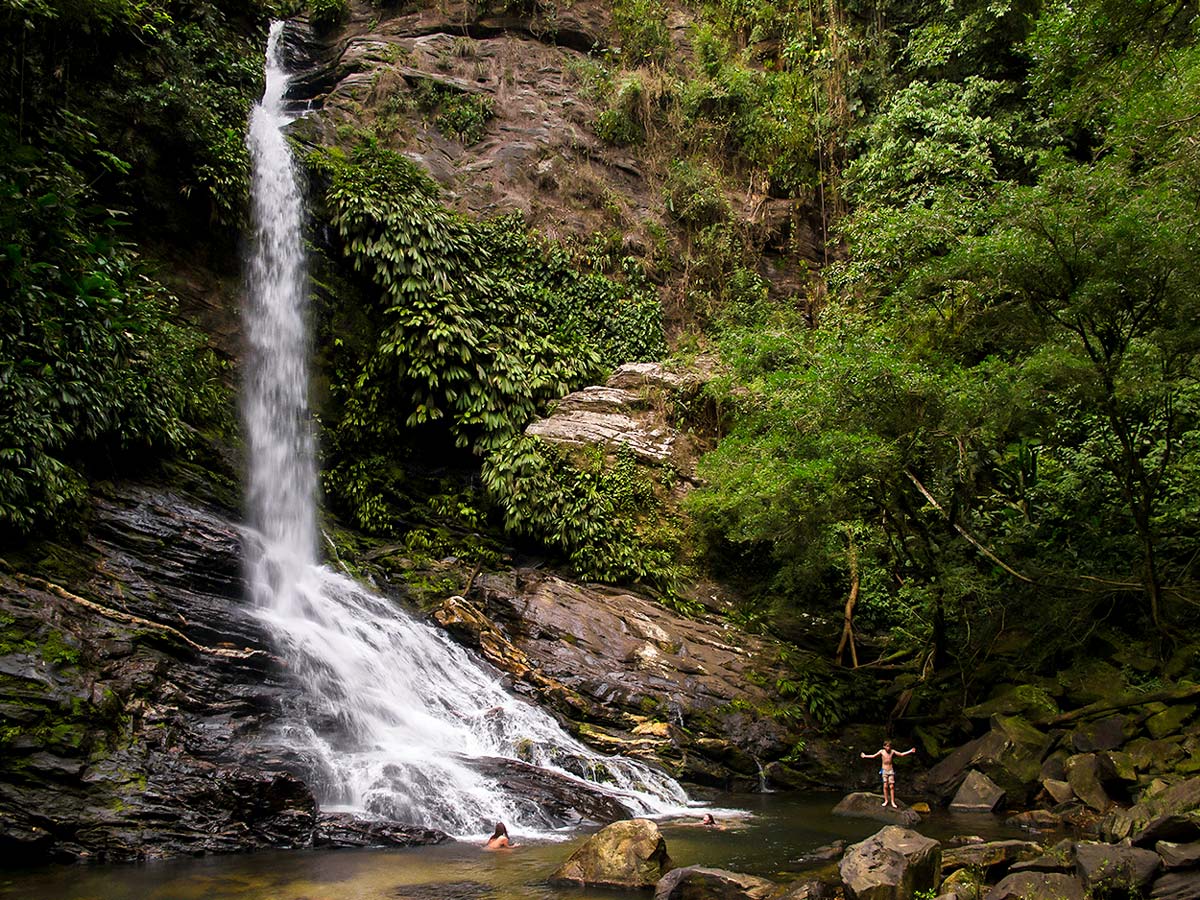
column 848, row 612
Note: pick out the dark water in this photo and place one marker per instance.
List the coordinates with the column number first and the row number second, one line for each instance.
column 764, row 834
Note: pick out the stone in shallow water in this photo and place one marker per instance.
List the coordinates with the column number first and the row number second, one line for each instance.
column 628, row 854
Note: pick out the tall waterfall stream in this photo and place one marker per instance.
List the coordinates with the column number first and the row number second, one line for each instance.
column 393, row 715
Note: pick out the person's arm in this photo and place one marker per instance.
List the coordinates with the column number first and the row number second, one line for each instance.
column 909, row 752
column 870, row 755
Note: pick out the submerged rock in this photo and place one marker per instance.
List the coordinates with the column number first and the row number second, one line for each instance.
column 628, row 854
column 700, row 883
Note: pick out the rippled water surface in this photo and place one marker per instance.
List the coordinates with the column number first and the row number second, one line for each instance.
column 767, row 839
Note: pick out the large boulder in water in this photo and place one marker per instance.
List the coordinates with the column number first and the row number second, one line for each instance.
column 863, row 805
column 628, row 854
column 699, row 883
column 1108, row 868
column 892, row 864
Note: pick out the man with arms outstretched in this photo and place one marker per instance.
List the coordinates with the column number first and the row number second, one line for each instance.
column 887, row 771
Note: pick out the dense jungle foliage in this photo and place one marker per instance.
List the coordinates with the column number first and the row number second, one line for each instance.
column 118, row 120
column 981, row 409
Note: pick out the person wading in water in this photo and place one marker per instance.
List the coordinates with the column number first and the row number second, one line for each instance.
column 886, row 754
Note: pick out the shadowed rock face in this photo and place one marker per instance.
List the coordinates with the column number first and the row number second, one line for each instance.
column 135, row 702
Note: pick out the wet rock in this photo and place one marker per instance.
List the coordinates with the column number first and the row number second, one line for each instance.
column 1170, row 720
column 809, row 890
column 977, row 793
column 988, row 855
column 1176, row 886
column 628, row 854
column 892, row 864
column 1178, row 856
column 700, row 883
column 1027, row 701
column 350, row 830
column 1059, row 791
column 555, row 799
column 863, row 805
column 1038, row 886
column 828, row 853
column 639, row 678
column 1106, row 867
column 1036, row 820
column 1010, row 754
column 1155, row 757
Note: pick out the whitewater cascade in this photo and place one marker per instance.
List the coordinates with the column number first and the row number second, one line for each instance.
column 394, row 717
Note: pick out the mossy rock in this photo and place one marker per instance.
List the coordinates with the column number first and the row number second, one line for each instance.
column 1092, row 682
column 1170, row 720
column 1025, row 700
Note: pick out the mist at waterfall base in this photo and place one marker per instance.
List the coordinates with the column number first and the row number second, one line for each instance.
column 391, row 715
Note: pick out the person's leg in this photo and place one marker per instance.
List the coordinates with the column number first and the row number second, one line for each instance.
column 883, row 778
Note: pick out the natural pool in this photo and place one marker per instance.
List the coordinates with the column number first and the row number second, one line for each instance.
column 766, row 838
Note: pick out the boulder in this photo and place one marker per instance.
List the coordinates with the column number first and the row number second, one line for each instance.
column 700, row 883
column 1059, row 791
column 977, row 793
column 1037, row 886
column 988, row 855
column 1026, row 700
column 863, row 805
column 892, row 864
column 627, row 854
column 1170, row 720
column 1155, row 757
column 1104, row 734
column 350, row 830
column 1176, row 886
column 549, row 796
column 1086, row 773
column 963, row 884
column 1036, row 820
column 1178, row 856
column 1010, row 754
column 1172, row 814
column 1103, row 867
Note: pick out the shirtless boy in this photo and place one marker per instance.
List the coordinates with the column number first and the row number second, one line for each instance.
column 886, row 755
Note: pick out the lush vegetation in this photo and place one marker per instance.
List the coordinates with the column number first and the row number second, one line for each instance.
column 471, row 328
column 995, row 419
column 97, row 149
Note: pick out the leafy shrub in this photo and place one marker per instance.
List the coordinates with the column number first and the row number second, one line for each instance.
column 622, row 124
column 693, row 195
column 602, row 518
column 473, row 327
column 91, row 364
column 642, row 25
column 327, row 14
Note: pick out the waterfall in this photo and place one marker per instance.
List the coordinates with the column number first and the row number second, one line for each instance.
column 392, row 718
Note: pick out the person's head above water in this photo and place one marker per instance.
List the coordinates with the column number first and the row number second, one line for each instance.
column 500, row 831
column 708, row 819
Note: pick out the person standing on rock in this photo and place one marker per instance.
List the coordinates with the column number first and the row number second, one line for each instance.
column 886, row 754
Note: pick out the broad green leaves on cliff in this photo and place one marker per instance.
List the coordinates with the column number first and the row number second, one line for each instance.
column 479, row 325
column 603, row 518
column 93, row 373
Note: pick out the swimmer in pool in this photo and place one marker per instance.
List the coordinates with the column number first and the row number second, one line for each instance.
column 499, row 839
